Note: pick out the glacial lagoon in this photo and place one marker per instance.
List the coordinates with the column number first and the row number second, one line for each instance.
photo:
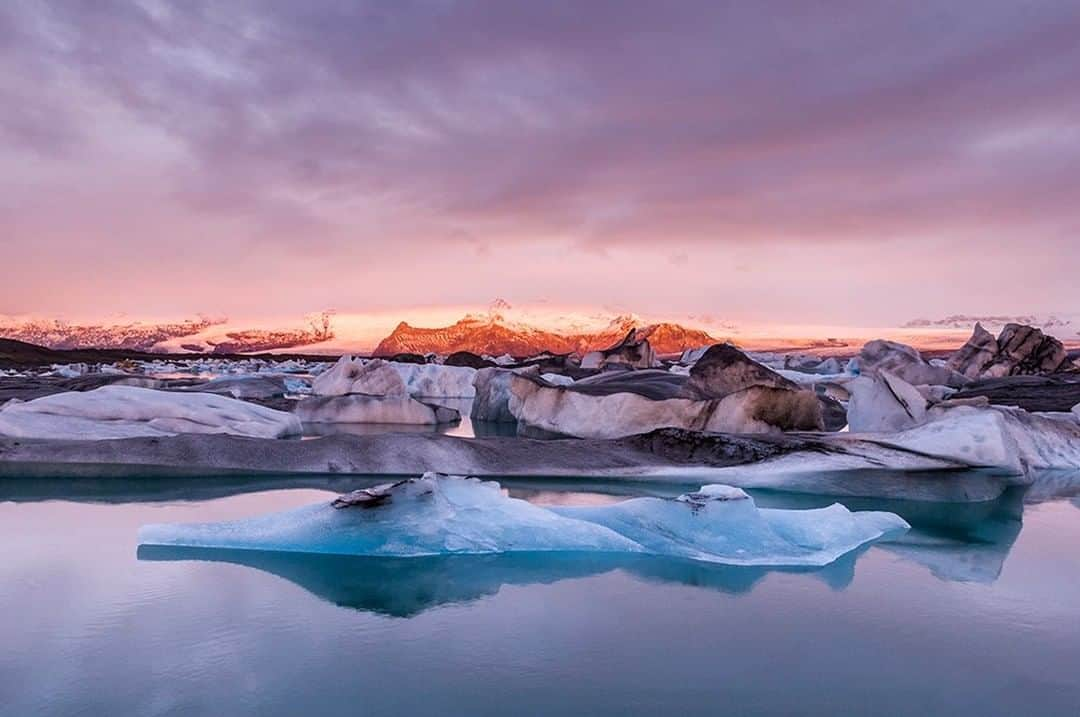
column 976, row 610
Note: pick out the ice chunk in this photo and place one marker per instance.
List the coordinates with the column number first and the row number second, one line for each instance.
column 349, row 375
column 127, row 411
column 70, row 370
column 906, row 362
column 356, row 408
column 1008, row 439
column 557, row 379
column 436, row 515
column 1008, row 445
column 492, row 401
column 884, row 403
column 724, row 369
column 583, row 411
column 435, row 381
column 723, row 525
column 426, row 516
column 243, row 386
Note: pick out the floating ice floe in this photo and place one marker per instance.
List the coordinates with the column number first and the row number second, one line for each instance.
column 129, row 411
column 441, row 515
column 357, row 408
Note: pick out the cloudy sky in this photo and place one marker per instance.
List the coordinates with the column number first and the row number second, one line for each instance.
column 834, row 162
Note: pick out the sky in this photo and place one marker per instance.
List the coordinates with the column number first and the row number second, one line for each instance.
column 859, row 163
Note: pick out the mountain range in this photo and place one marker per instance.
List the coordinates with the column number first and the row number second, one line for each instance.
column 493, row 335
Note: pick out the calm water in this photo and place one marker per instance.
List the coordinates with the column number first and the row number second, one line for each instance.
column 976, row 612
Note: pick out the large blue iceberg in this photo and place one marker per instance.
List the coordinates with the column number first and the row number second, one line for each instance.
column 445, row 515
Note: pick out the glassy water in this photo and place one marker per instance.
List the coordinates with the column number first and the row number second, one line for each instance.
column 977, row 611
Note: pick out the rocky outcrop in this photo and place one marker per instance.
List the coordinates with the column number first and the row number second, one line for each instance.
column 631, row 352
column 469, row 359
column 906, row 363
column 406, row 357
column 724, row 369
column 1018, row 350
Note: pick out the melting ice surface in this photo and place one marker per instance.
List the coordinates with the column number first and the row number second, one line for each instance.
column 444, row 515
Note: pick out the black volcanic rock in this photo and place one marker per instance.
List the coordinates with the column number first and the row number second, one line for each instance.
column 17, row 354
column 407, row 358
column 467, row 358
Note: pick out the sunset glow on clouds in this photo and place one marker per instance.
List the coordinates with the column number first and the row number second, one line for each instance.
column 841, row 163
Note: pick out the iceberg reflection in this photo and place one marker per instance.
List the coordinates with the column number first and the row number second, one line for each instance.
column 404, row 587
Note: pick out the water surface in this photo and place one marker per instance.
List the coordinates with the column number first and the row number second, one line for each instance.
column 977, row 611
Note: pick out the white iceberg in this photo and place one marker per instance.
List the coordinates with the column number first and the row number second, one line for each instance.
column 440, row 515
column 430, row 380
column 904, row 361
column 357, row 408
column 492, row 401
column 349, row 375
column 1007, row 446
column 129, row 411
column 1009, row 440
column 242, row 386
column 884, row 403
column 377, row 377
